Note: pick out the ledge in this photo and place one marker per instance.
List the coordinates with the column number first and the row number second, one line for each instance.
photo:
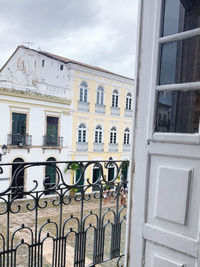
column 34, row 95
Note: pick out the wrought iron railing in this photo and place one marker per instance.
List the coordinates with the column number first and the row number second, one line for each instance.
column 52, row 140
column 62, row 230
column 19, row 140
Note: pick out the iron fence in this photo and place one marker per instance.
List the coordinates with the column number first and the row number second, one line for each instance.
column 19, row 140
column 52, row 140
column 42, row 224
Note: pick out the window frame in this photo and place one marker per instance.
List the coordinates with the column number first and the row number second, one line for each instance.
column 82, row 133
column 83, row 92
column 115, row 99
column 98, row 134
column 126, row 136
column 128, row 101
column 113, row 135
column 158, row 40
column 100, row 95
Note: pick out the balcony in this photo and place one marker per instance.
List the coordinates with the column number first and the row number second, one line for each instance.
column 19, row 140
column 128, row 112
column 83, row 106
column 126, row 147
column 98, row 147
column 113, row 147
column 86, row 229
column 99, row 108
column 52, row 141
column 82, row 146
column 115, row 111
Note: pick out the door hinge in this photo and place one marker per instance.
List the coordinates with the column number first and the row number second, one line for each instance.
column 133, row 167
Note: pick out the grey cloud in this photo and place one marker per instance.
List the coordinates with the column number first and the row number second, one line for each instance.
column 98, row 32
column 45, row 18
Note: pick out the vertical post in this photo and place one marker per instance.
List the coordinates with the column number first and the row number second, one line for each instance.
column 60, row 231
column 8, row 227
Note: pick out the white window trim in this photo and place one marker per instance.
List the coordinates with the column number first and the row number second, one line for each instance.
column 115, row 94
column 129, row 98
column 100, row 91
column 153, row 136
column 78, row 128
column 127, row 133
column 98, row 134
column 113, row 136
column 84, row 88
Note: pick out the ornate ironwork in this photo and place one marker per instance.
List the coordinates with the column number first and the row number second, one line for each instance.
column 19, row 140
column 60, row 231
column 52, row 140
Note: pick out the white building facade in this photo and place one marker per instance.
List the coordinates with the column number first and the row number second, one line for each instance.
column 35, row 119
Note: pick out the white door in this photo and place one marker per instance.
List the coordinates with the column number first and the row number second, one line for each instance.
column 165, row 197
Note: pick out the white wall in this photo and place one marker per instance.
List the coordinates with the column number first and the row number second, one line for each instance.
column 25, row 71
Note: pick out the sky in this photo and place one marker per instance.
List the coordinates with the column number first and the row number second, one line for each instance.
column 97, row 32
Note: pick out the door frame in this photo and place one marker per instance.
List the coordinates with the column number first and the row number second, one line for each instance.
column 140, row 165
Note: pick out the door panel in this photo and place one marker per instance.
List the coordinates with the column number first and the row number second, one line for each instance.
column 173, row 194
column 158, row 256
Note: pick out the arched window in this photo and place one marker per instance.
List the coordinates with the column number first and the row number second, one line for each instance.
column 128, row 101
column 95, row 177
column 113, row 135
column 115, row 98
column 83, row 91
column 82, row 133
column 98, row 134
column 100, row 95
column 18, row 182
column 127, row 136
column 50, row 176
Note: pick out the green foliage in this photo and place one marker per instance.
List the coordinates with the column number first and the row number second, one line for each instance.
column 74, row 189
column 72, row 166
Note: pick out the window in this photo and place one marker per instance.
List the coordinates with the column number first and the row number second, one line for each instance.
column 18, row 128
column 82, row 133
column 127, row 136
column 100, row 95
column 113, row 135
column 115, row 98
column 98, row 134
column 111, row 174
column 95, row 178
column 19, row 184
column 178, row 93
column 50, row 176
column 178, row 111
column 128, row 101
column 52, row 131
column 43, row 63
column 83, row 92
column 180, row 15
column 61, row 67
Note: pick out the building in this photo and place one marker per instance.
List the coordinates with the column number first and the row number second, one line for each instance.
column 62, row 109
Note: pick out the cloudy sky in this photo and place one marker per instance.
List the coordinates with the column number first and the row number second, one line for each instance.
column 97, row 32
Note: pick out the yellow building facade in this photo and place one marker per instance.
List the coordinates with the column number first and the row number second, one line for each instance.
column 101, row 112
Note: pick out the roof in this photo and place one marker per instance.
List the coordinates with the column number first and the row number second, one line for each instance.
column 66, row 61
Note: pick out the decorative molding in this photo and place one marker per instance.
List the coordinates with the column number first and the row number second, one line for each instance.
column 172, row 194
column 102, row 74
column 35, row 96
column 176, row 241
column 164, row 261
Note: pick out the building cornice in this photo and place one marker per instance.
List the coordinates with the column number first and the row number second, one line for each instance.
column 101, row 73
column 34, row 96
